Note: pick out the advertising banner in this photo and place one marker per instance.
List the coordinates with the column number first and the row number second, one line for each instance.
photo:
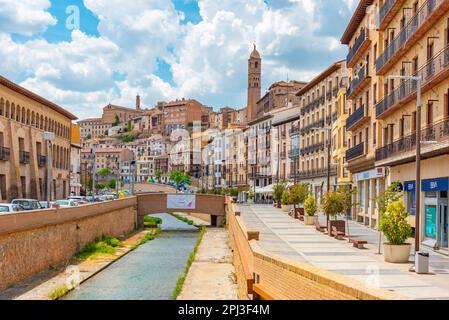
column 181, row 201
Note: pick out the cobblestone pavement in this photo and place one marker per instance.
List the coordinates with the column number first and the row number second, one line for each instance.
column 285, row 236
column 211, row 276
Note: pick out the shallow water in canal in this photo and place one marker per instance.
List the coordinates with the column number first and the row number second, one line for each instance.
column 148, row 273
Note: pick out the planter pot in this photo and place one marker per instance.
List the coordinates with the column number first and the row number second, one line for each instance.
column 397, row 253
column 339, row 224
column 311, row 220
column 287, row 208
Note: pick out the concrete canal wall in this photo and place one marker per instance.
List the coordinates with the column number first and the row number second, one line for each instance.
column 31, row 242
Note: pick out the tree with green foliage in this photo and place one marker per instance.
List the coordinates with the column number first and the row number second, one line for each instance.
column 393, row 223
column 180, row 178
column 299, row 194
column 333, row 204
column 104, row 172
column 158, row 175
column 278, row 190
column 285, row 198
column 112, row 184
column 116, row 121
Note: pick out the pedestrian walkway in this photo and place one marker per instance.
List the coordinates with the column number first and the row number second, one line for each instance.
column 211, row 276
column 285, row 236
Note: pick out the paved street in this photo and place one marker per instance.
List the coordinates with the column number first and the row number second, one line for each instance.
column 282, row 235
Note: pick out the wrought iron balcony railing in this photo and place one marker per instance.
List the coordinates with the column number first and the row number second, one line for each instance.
column 4, row 154
column 310, row 127
column 322, row 172
column 438, row 133
column 312, row 148
column 357, row 44
column 24, row 157
column 355, row 152
column 423, row 14
column 433, row 69
column 362, row 74
column 355, row 117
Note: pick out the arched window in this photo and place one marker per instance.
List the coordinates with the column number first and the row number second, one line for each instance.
column 33, row 119
column 13, row 111
column 28, row 117
column 2, row 107
column 37, row 121
column 7, row 109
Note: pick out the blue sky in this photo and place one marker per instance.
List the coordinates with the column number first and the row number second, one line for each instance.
column 164, row 49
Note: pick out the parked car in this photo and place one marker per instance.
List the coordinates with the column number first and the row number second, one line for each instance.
column 28, row 204
column 77, row 198
column 10, row 208
column 66, row 203
column 45, row 204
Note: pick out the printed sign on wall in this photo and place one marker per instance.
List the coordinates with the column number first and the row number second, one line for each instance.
column 181, row 201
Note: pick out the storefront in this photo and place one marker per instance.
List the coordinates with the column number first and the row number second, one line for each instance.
column 434, row 218
column 369, row 184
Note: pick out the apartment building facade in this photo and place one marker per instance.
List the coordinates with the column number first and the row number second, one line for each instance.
column 361, row 125
column 319, row 102
column 24, row 117
column 414, row 41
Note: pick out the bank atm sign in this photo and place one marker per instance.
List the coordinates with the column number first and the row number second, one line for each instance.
column 435, row 184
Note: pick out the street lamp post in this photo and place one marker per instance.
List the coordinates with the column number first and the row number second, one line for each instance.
column 418, row 80
column 49, row 137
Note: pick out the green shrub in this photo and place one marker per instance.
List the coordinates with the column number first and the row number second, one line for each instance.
column 393, row 223
column 285, row 198
column 104, row 245
column 310, row 206
column 299, row 193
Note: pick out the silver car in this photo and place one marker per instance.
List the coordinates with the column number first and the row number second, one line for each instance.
column 10, row 208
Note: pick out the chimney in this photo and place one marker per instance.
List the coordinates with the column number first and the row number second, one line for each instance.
column 138, row 102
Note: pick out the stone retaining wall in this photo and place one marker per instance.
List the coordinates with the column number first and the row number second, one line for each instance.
column 33, row 241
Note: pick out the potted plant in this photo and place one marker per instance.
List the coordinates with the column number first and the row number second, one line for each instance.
column 251, row 195
column 397, row 230
column 285, row 201
column 333, row 204
column 299, row 194
column 311, row 209
column 278, row 191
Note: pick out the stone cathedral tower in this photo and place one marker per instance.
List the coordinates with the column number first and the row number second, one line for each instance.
column 254, row 83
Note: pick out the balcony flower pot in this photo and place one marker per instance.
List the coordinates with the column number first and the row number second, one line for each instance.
column 397, row 253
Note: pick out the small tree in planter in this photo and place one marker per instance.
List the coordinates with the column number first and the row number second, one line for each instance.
column 394, row 225
column 311, row 209
column 251, row 195
column 334, row 204
column 286, row 201
column 278, row 191
column 298, row 195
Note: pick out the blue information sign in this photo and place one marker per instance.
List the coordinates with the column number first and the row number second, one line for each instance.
column 441, row 184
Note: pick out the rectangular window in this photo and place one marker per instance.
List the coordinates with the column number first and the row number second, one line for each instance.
column 374, row 133
column 23, row 182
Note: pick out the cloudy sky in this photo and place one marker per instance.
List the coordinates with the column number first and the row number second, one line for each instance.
column 163, row 49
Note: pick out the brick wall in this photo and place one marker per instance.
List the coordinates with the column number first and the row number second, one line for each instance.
column 276, row 278
column 31, row 242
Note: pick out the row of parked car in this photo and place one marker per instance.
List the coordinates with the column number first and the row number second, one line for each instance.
column 18, row 205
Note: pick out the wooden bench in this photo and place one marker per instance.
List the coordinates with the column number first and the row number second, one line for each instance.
column 337, row 234
column 359, row 243
column 320, row 227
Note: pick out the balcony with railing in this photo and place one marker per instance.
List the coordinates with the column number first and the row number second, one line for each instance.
column 418, row 25
column 433, row 72
column 359, row 82
column 24, row 157
column 317, row 173
column 4, row 154
column 294, row 131
column 293, row 153
column 404, row 149
column 41, row 161
column 357, row 118
column 388, row 11
column 312, row 105
column 312, row 149
column 360, row 45
column 332, row 118
column 355, row 152
column 310, row 127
